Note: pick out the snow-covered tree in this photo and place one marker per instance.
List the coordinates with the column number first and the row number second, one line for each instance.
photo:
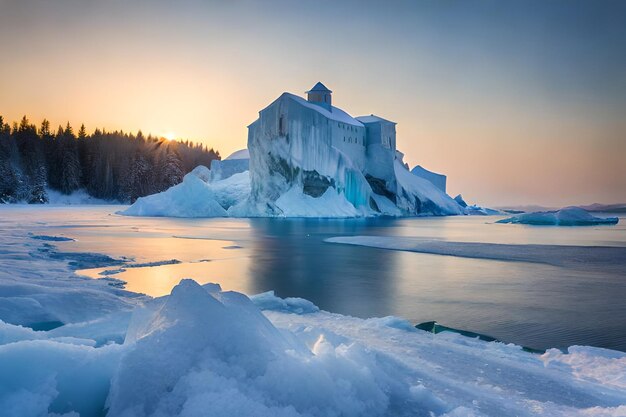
column 70, row 162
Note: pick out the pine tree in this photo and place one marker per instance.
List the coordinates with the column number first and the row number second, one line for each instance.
column 70, row 163
column 9, row 170
column 38, row 194
column 170, row 170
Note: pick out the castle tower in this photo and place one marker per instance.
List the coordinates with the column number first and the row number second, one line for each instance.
column 320, row 95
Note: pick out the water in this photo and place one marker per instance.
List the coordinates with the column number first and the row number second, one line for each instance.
column 531, row 304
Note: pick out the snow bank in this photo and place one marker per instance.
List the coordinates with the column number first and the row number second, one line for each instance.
column 203, row 351
column 569, row 216
column 240, row 154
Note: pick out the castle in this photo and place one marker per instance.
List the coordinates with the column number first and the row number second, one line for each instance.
column 315, row 145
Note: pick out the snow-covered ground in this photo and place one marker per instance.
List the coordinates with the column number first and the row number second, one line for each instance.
column 78, row 197
column 568, row 216
column 202, row 351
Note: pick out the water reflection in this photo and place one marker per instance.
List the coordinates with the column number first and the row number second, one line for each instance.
column 291, row 258
column 529, row 304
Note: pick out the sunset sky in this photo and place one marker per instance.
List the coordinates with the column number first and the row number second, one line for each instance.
column 517, row 102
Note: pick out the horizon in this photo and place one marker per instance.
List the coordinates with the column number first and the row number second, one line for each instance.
column 518, row 105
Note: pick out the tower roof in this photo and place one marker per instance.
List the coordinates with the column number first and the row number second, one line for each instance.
column 319, row 87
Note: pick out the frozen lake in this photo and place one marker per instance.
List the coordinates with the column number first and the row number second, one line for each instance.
column 564, row 295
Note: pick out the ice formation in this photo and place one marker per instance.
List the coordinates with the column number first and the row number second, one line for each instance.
column 190, row 198
column 460, row 201
column 438, row 180
column 476, row 210
column 196, row 196
column 236, row 163
column 568, row 216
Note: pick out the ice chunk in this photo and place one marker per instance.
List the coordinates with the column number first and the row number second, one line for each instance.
column 268, row 301
column 568, row 216
column 190, row 198
column 44, row 376
column 232, row 190
column 201, row 353
column 202, row 172
column 476, row 210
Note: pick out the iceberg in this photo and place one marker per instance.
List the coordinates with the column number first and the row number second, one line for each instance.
column 190, row 198
column 568, row 216
column 195, row 196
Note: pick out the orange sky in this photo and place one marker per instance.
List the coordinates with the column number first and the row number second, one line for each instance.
column 513, row 112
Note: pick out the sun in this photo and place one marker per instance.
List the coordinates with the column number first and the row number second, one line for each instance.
column 169, row 135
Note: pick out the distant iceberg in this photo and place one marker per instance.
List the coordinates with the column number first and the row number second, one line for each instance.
column 568, row 216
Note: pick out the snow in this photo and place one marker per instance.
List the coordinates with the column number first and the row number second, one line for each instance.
column 439, row 180
column 204, row 351
column 240, row 154
column 557, row 255
column 336, row 114
column 568, row 216
column 75, row 198
column 372, row 119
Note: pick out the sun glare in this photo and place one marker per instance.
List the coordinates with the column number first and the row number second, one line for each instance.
column 169, row 136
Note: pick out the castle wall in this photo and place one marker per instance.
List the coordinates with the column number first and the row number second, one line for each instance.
column 290, row 144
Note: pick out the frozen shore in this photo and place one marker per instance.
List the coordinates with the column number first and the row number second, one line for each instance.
column 204, row 351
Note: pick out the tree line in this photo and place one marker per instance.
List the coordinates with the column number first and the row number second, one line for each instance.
column 108, row 165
